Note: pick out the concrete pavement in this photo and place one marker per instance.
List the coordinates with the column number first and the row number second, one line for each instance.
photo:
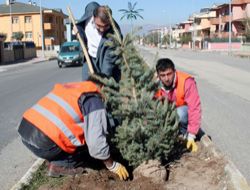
column 48, row 55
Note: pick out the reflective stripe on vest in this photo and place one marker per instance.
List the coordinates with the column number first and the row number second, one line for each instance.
column 65, row 106
column 58, row 114
column 58, row 123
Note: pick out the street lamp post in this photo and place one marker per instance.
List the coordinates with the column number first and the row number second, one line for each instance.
column 230, row 28
column 193, row 35
column 11, row 29
column 41, row 25
column 170, row 36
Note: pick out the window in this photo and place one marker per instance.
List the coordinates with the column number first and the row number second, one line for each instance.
column 15, row 20
column 50, row 19
column 27, row 19
column 28, row 35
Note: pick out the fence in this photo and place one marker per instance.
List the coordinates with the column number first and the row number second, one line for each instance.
column 1, row 51
column 18, row 51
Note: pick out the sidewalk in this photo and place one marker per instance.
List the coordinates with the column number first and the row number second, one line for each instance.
column 235, row 52
column 242, row 54
column 38, row 59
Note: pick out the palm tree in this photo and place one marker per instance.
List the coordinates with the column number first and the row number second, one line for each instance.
column 131, row 13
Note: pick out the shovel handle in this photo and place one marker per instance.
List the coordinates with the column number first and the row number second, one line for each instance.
column 71, row 17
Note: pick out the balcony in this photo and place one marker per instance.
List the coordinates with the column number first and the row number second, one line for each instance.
column 225, row 19
column 239, row 16
column 214, row 21
column 240, row 2
column 49, row 26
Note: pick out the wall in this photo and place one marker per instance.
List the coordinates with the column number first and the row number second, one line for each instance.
column 222, row 46
column 248, row 10
column 8, row 56
column 205, row 23
column 29, row 53
column 34, row 27
column 1, row 52
column 238, row 13
column 186, row 46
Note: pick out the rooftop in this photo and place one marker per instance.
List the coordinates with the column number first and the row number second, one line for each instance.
column 18, row 7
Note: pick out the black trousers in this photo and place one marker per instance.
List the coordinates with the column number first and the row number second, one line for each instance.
column 43, row 147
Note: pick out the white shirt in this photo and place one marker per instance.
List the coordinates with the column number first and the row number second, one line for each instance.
column 93, row 37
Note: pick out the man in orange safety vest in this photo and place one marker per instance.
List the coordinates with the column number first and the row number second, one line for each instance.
column 180, row 87
column 65, row 123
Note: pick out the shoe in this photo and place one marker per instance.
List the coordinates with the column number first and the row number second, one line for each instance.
column 59, row 171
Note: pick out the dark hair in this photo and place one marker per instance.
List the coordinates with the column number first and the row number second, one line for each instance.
column 164, row 64
column 102, row 13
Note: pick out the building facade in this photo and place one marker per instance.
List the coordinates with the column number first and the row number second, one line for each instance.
column 25, row 18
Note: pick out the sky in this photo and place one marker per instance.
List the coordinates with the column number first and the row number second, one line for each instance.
column 157, row 12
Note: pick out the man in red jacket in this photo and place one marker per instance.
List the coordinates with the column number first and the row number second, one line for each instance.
column 180, row 87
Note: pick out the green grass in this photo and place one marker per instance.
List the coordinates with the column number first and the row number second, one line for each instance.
column 40, row 178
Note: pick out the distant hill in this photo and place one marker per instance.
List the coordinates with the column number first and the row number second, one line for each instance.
column 125, row 28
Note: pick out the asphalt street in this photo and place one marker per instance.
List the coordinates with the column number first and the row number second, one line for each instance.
column 21, row 87
column 224, row 86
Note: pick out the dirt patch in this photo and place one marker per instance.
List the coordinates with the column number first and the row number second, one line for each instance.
column 198, row 171
column 194, row 171
column 104, row 180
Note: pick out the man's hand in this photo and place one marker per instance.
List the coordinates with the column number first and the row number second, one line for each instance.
column 191, row 145
column 75, row 30
column 120, row 170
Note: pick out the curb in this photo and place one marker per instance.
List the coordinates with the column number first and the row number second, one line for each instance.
column 236, row 179
column 26, row 179
column 28, row 62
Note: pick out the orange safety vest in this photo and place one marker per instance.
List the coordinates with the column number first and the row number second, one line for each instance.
column 58, row 114
column 180, row 88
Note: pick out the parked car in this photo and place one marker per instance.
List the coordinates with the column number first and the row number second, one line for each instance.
column 70, row 54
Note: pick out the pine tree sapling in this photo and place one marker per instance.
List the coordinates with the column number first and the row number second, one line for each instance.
column 148, row 128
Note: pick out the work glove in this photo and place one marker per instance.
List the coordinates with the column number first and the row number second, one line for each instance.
column 191, row 145
column 120, row 170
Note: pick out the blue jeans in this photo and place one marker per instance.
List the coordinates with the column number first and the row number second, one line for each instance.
column 182, row 112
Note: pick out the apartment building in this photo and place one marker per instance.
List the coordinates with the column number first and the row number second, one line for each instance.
column 240, row 10
column 182, row 30
column 25, row 18
column 202, row 25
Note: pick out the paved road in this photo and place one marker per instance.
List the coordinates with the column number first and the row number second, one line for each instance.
column 224, row 86
column 21, row 87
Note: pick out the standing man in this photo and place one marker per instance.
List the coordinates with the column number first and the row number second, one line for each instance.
column 180, row 87
column 64, row 124
column 94, row 27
